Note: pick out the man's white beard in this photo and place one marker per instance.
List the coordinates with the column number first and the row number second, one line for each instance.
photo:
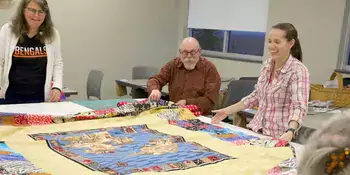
column 189, row 65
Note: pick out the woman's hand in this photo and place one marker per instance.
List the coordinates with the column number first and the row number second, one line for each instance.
column 55, row 95
column 220, row 115
column 288, row 136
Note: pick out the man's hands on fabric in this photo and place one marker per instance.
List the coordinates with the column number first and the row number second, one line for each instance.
column 155, row 95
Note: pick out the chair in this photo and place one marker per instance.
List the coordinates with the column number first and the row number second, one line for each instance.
column 143, row 72
column 249, row 78
column 93, row 86
column 237, row 89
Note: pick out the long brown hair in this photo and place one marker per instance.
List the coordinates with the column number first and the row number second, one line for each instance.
column 291, row 33
column 20, row 26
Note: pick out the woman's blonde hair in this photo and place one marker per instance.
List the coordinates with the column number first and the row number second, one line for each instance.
column 332, row 139
column 19, row 24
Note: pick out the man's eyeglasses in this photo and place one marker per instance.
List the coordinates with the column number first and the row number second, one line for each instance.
column 192, row 52
column 34, row 11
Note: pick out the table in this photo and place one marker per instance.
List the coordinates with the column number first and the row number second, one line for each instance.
column 312, row 122
column 142, row 84
column 68, row 92
column 17, row 139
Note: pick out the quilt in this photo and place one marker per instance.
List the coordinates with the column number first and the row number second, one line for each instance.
column 12, row 163
column 235, row 137
column 122, row 109
column 130, row 149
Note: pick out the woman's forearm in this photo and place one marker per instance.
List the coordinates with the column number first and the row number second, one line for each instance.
column 235, row 108
column 293, row 124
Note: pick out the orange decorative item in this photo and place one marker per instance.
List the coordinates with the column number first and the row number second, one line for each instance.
column 338, row 160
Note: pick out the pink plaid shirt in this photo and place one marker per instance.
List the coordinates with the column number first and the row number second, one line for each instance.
column 283, row 100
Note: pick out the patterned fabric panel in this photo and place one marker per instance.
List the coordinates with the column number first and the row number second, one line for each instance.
column 129, row 149
column 235, row 137
column 12, row 163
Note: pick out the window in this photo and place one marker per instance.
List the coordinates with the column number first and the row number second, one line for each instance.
column 246, row 43
column 212, row 40
column 223, row 31
column 344, row 49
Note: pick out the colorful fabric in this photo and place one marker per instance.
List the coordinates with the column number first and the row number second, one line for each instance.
column 193, row 108
column 121, row 109
column 287, row 167
column 282, row 100
column 129, row 149
column 18, row 119
column 170, row 114
column 12, row 163
column 216, row 131
column 269, row 142
column 235, row 137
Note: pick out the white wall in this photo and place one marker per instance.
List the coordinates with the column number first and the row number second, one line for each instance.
column 113, row 36
column 319, row 25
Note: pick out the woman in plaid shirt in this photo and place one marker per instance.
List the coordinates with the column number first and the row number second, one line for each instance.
column 282, row 91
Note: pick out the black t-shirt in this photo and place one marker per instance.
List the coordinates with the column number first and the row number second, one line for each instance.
column 28, row 72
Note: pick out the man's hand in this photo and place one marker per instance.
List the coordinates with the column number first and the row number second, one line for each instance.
column 155, row 95
column 288, row 136
column 181, row 102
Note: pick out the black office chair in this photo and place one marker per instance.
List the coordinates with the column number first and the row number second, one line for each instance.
column 249, row 78
column 93, row 84
column 237, row 89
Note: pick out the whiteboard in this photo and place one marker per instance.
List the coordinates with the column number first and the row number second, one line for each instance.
column 239, row 15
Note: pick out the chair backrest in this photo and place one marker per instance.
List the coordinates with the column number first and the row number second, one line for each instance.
column 143, row 72
column 237, row 89
column 249, row 78
column 93, row 86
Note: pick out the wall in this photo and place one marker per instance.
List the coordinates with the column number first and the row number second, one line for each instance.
column 112, row 36
column 319, row 25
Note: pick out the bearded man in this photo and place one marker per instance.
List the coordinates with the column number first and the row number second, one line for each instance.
column 193, row 80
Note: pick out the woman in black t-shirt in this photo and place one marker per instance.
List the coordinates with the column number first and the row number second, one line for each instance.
column 30, row 58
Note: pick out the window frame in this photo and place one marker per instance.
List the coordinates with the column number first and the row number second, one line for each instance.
column 343, row 64
column 228, row 56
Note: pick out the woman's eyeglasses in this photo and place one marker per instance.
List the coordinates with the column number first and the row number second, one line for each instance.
column 34, row 11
